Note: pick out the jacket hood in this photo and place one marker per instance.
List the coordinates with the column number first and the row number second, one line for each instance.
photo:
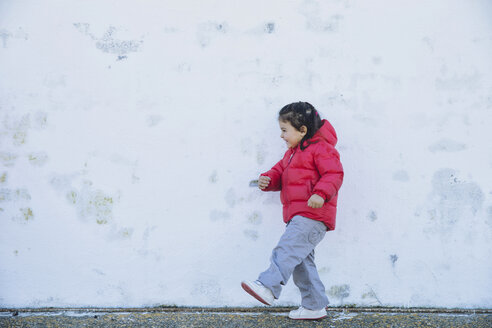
column 327, row 133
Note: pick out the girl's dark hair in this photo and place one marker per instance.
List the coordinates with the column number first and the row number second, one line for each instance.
column 299, row 114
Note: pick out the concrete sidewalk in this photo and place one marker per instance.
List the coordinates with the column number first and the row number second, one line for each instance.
column 243, row 317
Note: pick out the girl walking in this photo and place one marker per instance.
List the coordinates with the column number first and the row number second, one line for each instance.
column 309, row 177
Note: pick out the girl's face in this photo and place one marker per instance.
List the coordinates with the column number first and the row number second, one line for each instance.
column 290, row 134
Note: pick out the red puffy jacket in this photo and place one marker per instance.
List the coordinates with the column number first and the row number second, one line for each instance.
column 302, row 173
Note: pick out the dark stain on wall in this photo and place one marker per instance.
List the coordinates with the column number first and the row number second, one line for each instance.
column 270, row 28
column 393, row 259
column 372, row 216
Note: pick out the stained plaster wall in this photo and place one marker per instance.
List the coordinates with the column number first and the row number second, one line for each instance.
column 129, row 132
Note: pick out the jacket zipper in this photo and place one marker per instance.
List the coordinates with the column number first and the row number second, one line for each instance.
column 290, row 158
column 286, row 169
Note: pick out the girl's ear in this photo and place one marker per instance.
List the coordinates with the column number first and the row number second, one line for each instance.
column 303, row 130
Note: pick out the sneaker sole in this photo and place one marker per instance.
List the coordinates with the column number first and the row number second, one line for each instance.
column 309, row 318
column 252, row 293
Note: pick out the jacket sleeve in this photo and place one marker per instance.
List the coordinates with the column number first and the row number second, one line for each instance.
column 275, row 174
column 327, row 161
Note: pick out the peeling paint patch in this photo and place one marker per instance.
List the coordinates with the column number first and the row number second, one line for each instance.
column 38, row 159
column 17, row 195
column 17, row 204
column 453, row 199
column 340, row 292
column 72, row 197
column 447, row 145
column 27, row 213
column 123, row 233
column 17, row 128
column 23, row 215
column 255, row 218
column 92, row 203
column 108, row 43
column 5, row 195
column 40, row 120
column 111, row 45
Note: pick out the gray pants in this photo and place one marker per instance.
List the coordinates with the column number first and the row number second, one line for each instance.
column 294, row 255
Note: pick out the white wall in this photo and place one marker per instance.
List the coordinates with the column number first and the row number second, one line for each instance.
column 129, row 132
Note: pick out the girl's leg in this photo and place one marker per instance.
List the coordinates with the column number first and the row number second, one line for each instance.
column 297, row 242
column 306, row 278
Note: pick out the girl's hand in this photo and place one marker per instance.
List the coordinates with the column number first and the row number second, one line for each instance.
column 263, row 182
column 316, row 201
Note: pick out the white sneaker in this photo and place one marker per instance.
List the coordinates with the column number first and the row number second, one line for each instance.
column 258, row 291
column 305, row 314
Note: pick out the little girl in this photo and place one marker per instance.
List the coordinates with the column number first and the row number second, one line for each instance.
column 309, row 177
